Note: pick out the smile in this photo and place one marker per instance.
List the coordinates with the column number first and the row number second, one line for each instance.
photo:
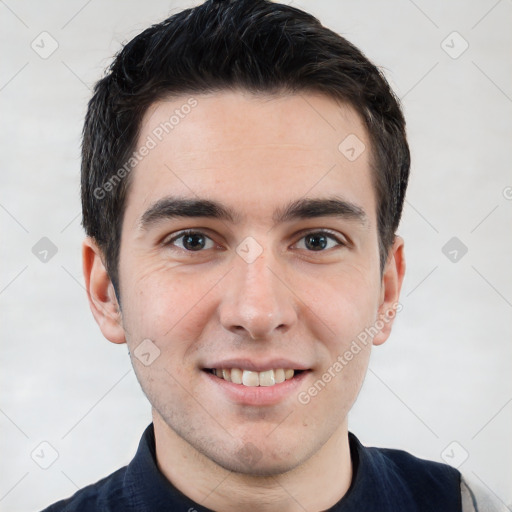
column 253, row 379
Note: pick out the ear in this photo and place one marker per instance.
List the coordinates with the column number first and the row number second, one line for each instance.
column 392, row 279
column 101, row 294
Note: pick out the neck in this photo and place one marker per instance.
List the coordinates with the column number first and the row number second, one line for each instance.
column 317, row 484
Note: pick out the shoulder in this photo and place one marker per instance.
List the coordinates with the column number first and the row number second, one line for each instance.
column 406, row 482
column 476, row 499
column 414, row 471
column 106, row 495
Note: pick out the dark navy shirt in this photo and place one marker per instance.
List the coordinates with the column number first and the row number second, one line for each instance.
column 384, row 480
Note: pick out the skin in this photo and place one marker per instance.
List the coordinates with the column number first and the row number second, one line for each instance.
column 253, row 154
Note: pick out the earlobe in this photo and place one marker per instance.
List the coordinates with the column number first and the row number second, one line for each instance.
column 391, row 285
column 101, row 294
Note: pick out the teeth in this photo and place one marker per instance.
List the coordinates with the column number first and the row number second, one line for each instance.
column 250, row 378
column 267, row 378
column 253, row 379
column 236, row 375
column 279, row 376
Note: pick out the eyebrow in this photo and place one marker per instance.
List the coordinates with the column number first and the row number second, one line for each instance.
column 321, row 207
column 306, row 208
column 180, row 207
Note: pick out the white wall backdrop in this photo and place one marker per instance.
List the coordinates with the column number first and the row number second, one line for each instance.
column 441, row 387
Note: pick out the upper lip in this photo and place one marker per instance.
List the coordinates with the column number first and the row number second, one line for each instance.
column 257, row 366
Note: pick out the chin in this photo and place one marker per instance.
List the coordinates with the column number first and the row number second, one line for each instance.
column 249, row 460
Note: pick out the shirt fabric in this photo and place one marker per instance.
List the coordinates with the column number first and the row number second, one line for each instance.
column 384, row 480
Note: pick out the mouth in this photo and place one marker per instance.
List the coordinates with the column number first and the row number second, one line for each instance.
column 249, row 378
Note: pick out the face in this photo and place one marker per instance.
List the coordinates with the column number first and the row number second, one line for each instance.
column 249, row 255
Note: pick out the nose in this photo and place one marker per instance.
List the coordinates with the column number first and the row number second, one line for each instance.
column 257, row 301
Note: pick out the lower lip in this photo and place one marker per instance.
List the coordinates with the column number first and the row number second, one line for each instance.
column 257, row 395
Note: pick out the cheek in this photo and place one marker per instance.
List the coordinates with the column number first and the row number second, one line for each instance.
column 325, row 404
column 347, row 303
column 160, row 302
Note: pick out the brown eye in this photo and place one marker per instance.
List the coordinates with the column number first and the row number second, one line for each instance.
column 319, row 241
column 316, row 241
column 192, row 241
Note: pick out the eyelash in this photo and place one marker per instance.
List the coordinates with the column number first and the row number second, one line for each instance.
column 328, row 233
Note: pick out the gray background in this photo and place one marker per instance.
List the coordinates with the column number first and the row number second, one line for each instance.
column 443, row 377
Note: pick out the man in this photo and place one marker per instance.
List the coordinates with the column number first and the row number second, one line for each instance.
column 243, row 176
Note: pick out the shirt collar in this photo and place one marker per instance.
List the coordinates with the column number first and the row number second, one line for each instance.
column 147, row 488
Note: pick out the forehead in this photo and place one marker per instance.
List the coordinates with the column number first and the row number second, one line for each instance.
column 252, row 150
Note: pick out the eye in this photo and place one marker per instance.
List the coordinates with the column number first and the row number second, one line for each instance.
column 319, row 241
column 192, row 241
